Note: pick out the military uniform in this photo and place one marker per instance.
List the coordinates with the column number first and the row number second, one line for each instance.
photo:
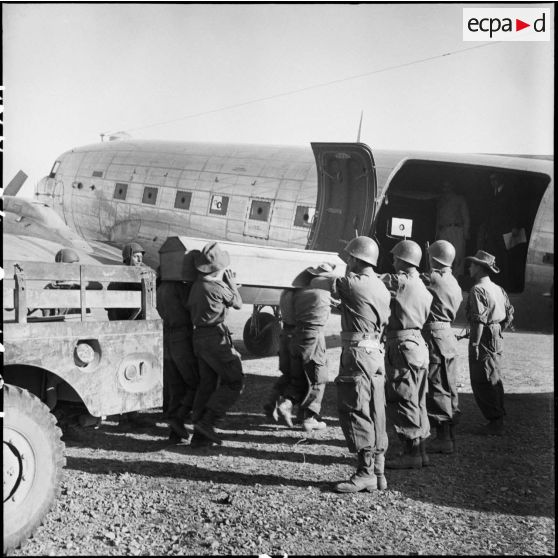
column 488, row 304
column 365, row 308
column 452, row 224
column 220, row 366
column 308, row 365
column 442, row 398
column 286, row 307
column 407, row 356
column 180, row 368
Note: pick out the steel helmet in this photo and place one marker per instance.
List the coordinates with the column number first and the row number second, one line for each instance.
column 442, row 252
column 363, row 248
column 408, row 251
column 66, row 255
column 130, row 249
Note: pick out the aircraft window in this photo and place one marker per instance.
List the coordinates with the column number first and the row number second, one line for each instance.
column 149, row 195
column 183, row 199
column 260, row 210
column 54, row 169
column 120, row 191
column 304, row 216
column 98, row 174
column 219, row 205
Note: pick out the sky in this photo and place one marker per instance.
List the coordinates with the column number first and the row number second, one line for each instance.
column 74, row 71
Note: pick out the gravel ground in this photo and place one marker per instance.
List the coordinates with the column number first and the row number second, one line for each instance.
column 267, row 490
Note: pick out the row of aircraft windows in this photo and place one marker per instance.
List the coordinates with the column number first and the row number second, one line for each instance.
column 259, row 210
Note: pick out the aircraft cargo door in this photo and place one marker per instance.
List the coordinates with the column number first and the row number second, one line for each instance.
column 346, row 194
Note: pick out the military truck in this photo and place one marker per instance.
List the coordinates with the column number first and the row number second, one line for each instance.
column 61, row 349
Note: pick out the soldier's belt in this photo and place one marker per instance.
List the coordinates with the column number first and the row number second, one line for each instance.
column 403, row 333
column 359, row 339
column 431, row 326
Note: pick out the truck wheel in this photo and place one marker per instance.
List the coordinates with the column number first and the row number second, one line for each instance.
column 266, row 341
column 33, row 456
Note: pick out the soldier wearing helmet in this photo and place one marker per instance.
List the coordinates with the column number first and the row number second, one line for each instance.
column 69, row 256
column 442, row 398
column 132, row 255
column 364, row 306
column 407, row 356
column 311, row 305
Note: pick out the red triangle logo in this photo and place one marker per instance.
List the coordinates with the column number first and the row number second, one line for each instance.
column 519, row 25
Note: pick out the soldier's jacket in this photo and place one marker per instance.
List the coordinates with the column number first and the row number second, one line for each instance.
column 209, row 301
column 489, row 304
column 172, row 305
column 312, row 307
column 286, row 306
column 410, row 300
column 446, row 294
column 365, row 302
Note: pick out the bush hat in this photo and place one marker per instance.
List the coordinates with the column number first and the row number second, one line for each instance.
column 304, row 277
column 485, row 259
column 211, row 258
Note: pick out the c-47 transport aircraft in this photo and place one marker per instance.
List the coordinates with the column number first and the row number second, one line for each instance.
column 315, row 198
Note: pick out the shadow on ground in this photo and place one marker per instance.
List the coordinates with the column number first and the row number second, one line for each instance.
column 513, row 474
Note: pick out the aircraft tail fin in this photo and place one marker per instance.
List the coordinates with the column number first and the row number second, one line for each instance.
column 15, row 184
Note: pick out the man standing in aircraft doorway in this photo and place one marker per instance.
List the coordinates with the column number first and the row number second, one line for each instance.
column 407, row 356
column 361, row 381
column 308, row 365
column 452, row 223
column 220, row 365
column 132, row 255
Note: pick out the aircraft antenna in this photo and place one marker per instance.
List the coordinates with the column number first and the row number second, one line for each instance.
column 360, row 126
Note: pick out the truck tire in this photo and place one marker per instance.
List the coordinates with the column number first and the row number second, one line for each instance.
column 33, row 456
column 266, row 342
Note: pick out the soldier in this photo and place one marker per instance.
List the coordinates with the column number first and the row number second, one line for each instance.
column 361, row 380
column 220, row 366
column 488, row 312
column 452, row 223
column 180, row 368
column 407, row 356
column 308, row 364
column 132, row 255
column 286, row 306
column 442, row 398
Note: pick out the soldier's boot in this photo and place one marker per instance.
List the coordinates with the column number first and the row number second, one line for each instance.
column 285, row 410
column 409, row 459
column 364, row 478
column 270, row 407
column 311, row 422
column 206, row 426
column 452, row 435
column 379, row 463
column 443, row 442
column 177, row 429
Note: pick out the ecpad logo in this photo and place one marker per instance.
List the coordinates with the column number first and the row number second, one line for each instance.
column 506, row 24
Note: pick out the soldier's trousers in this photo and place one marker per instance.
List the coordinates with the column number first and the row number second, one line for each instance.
column 442, row 401
column 220, row 366
column 284, row 360
column 485, row 373
column 308, row 371
column 361, row 399
column 180, row 373
column 406, row 383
